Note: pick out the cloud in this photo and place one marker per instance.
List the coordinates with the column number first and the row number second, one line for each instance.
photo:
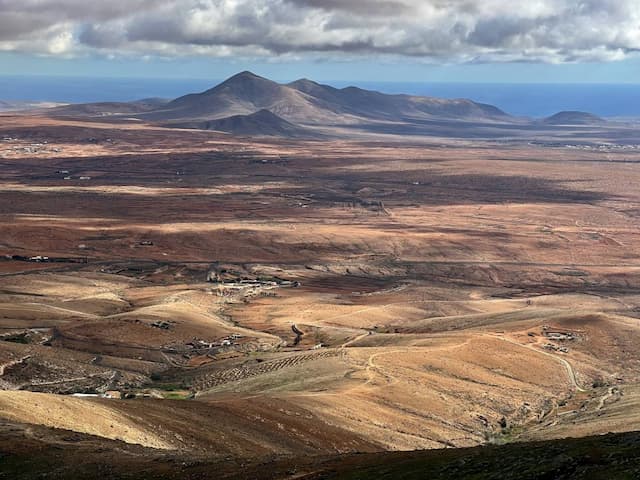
column 433, row 30
column 359, row 7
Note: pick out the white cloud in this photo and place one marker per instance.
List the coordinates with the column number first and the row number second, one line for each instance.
column 433, row 30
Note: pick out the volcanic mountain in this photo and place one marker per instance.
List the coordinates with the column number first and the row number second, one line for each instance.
column 245, row 94
column 310, row 103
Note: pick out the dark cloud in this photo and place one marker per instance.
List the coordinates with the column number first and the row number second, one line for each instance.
column 16, row 25
column 447, row 30
column 497, row 32
column 359, row 7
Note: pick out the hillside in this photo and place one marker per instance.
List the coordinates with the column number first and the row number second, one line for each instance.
column 260, row 123
column 35, row 452
column 372, row 104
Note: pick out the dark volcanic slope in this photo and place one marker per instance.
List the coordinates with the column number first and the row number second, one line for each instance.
column 307, row 102
column 28, row 452
column 261, row 123
column 573, row 118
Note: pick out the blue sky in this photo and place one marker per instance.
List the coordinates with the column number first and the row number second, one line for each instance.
column 546, row 41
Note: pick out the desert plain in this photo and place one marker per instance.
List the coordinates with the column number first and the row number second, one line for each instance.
column 250, row 300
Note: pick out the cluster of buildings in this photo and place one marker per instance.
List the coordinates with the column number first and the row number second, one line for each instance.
column 43, row 259
column 112, row 394
column 555, row 348
column 557, row 335
column 224, row 342
column 31, row 149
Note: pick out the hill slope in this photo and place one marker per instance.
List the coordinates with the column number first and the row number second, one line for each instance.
column 372, row 104
column 35, row 452
column 573, row 118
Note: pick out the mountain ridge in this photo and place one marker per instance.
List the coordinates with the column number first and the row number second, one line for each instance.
column 307, row 102
column 304, row 105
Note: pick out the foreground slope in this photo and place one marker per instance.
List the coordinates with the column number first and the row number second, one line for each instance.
column 36, row 452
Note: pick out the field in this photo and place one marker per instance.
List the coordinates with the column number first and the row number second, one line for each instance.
column 267, row 298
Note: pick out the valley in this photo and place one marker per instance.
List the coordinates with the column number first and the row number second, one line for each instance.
column 193, row 293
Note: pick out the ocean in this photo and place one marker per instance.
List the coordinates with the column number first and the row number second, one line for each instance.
column 531, row 100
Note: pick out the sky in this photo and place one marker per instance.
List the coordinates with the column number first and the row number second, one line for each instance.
column 536, row 41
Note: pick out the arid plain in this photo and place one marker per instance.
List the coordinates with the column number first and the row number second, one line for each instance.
column 265, row 297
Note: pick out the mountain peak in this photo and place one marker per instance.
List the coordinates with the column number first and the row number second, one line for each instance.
column 246, row 74
column 243, row 81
